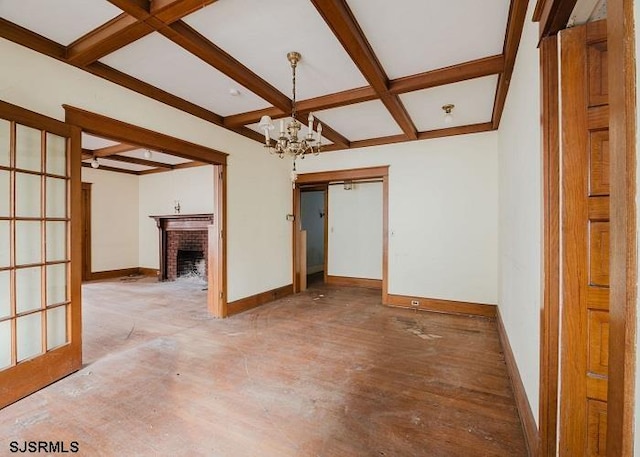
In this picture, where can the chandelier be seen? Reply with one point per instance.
(289, 143)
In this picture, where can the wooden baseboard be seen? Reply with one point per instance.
(529, 426)
(112, 274)
(442, 306)
(153, 272)
(254, 301)
(353, 282)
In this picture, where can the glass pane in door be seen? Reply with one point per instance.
(28, 148)
(5, 142)
(29, 336)
(56, 327)
(56, 155)
(56, 284)
(28, 195)
(5, 344)
(5, 193)
(28, 289)
(5, 294)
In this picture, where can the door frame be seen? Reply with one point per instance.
(86, 231)
(325, 178)
(97, 124)
(623, 257)
(321, 188)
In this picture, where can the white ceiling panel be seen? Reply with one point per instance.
(155, 156)
(158, 61)
(473, 100)
(259, 34)
(411, 37)
(62, 21)
(361, 121)
(275, 133)
(95, 142)
(104, 162)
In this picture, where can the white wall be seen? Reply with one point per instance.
(311, 206)
(259, 190)
(114, 219)
(443, 213)
(355, 231)
(192, 187)
(520, 166)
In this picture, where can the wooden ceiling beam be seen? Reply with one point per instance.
(106, 39)
(515, 25)
(327, 131)
(124, 80)
(107, 168)
(338, 99)
(115, 149)
(136, 8)
(138, 161)
(13, 32)
(192, 41)
(449, 75)
(169, 11)
(340, 20)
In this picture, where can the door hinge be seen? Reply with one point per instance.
(221, 294)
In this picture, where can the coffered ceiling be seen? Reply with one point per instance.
(372, 71)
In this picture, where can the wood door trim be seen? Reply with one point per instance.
(86, 230)
(325, 178)
(623, 261)
(550, 312)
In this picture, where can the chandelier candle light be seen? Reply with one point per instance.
(288, 143)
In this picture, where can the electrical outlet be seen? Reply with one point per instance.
(415, 303)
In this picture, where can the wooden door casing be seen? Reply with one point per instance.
(585, 241)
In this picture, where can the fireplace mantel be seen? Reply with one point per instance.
(177, 223)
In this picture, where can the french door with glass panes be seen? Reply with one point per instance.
(40, 334)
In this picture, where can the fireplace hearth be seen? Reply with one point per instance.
(183, 245)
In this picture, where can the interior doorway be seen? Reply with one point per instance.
(127, 135)
(342, 178)
(314, 217)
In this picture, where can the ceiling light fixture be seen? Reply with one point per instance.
(288, 142)
(448, 116)
(234, 92)
(95, 163)
(147, 154)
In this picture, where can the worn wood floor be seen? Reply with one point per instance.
(327, 373)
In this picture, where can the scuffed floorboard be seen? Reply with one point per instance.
(330, 372)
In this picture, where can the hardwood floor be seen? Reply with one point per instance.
(330, 372)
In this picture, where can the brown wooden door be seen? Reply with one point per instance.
(40, 328)
(585, 241)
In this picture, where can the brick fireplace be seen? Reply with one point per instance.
(183, 245)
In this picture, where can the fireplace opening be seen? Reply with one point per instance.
(190, 263)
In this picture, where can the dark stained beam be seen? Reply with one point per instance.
(174, 167)
(426, 135)
(459, 130)
(517, 13)
(138, 161)
(31, 40)
(340, 20)
(107, 168)
(122, 79)
(327, 131)
(189, 39)
(99, 125)
(449, 75)
(106, 39)
(115, 149)
(338, 99)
